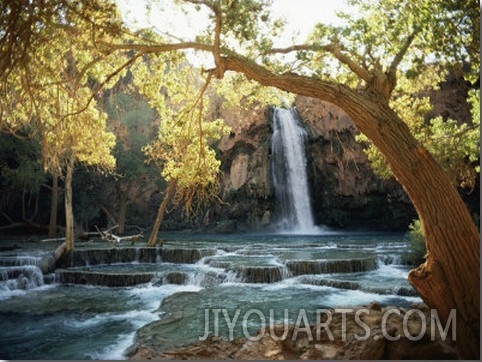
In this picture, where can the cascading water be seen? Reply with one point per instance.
(289, 172)
(197, 273)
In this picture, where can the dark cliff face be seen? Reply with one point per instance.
(247, 197)
(345, 193)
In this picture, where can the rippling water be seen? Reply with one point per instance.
(59, 321)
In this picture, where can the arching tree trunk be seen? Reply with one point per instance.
(54, 207)
(450, 277)
(69, 213)
(161, 212)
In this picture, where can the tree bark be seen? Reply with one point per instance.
(69, 213)
(161, 212)
(122, 198)
(450, 277)
(54, 207)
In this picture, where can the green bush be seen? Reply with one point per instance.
(417, 248)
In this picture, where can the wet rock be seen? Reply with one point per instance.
(302, 267)
(47, 263)
(175, 278)
(345, 340)
(259, 274)
(185, 256)
(104, 279)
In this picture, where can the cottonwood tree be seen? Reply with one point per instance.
(21, 179)
(358, 67)
(133, 122)
(49, 66)
(183, 147)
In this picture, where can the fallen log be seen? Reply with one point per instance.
(115, 239)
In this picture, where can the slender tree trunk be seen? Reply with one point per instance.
(161, 212)
(122, 198)
(122, 214)
(69, 213)
(54, 207)
(449, 279)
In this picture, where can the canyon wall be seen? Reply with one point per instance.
(345, 192)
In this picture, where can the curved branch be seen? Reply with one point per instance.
(217, 43)
(293, 48)
(392, 70)
(336, 50)
(149, 48)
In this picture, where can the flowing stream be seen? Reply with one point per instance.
(93, 307)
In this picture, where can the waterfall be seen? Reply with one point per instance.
(289, 172)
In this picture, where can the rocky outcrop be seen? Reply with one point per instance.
(303, 267)
(375, 337)
(247, 198)
(345, 191)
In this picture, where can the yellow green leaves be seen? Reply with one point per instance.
(455, 145)
(238, 92)
(183, 147)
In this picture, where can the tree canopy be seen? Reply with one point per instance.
(57, 55)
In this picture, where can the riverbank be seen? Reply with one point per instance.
(368, 332)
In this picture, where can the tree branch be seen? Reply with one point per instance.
(336, 50)
(159, 48)
(392, 70)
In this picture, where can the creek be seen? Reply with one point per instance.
(105, 299)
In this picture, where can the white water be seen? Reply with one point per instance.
(289, 173)
(93, 322)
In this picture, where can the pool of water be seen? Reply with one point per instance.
(71, 321)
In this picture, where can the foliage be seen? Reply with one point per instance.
(183, 146)
(455, 145)
(20, 164)
(51, 71)
(416, 241)
(237, 92)
(133, 121)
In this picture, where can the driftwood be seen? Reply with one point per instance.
(60, 251)
(115, 239)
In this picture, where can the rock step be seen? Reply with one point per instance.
(101, 256)
(104, 279)
(328, 266)
(184, 255)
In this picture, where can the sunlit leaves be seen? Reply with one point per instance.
(51, 91)
(455, 145)
(183, 149)
(237, 92)
(375, 32)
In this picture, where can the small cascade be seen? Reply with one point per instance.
(334, 283)
(20, 277)
(206, 278)
(184, 255)
(390, 260)
(20, 273)
(101, 256)
(289, 172)
(259, 274)
(329, 266)
(72, 276)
